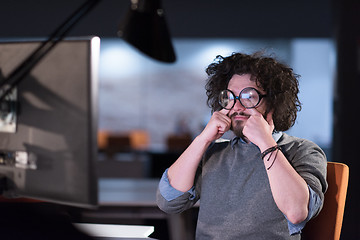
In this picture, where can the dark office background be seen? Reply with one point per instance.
(200, 19)
(336, 19)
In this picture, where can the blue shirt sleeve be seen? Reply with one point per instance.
(314, 204)
(170, 193)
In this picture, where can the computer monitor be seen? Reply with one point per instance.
(48, 124)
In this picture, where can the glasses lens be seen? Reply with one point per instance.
(249, 98)
(226, 99)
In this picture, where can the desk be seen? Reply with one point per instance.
(136, 198)
(115, 231)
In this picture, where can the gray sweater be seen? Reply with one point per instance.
(236, 200)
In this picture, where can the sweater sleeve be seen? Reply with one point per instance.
(314, 204)
(171, 200)
(310, 163)
(170, 193)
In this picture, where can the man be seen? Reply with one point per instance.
(262, 184)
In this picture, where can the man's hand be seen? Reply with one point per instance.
(181, 174)
(218, 125)
(258, 130)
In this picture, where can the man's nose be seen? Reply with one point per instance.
(238, 106)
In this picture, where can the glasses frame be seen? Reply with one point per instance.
(261, 96)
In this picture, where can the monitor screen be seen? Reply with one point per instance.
(48, 124)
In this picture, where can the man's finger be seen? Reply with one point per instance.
(224, 111)
(252, 112)
(269, 118)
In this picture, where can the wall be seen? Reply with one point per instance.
(139, 93)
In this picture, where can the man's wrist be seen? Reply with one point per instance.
(267, 144)
(202, 140)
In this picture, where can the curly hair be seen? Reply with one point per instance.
(278, 81)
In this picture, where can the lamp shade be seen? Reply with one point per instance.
(145, 28)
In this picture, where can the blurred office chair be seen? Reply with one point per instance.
(178, 143)
(139, 139)
(327, 225)
(102, 140)
(112, 142)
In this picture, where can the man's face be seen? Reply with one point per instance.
(238, 113)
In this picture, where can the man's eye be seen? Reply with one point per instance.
(246, 96)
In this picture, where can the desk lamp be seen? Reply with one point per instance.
(145, 28)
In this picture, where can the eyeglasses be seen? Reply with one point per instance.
(249, 98)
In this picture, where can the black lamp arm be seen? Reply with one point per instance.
(19, 74)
